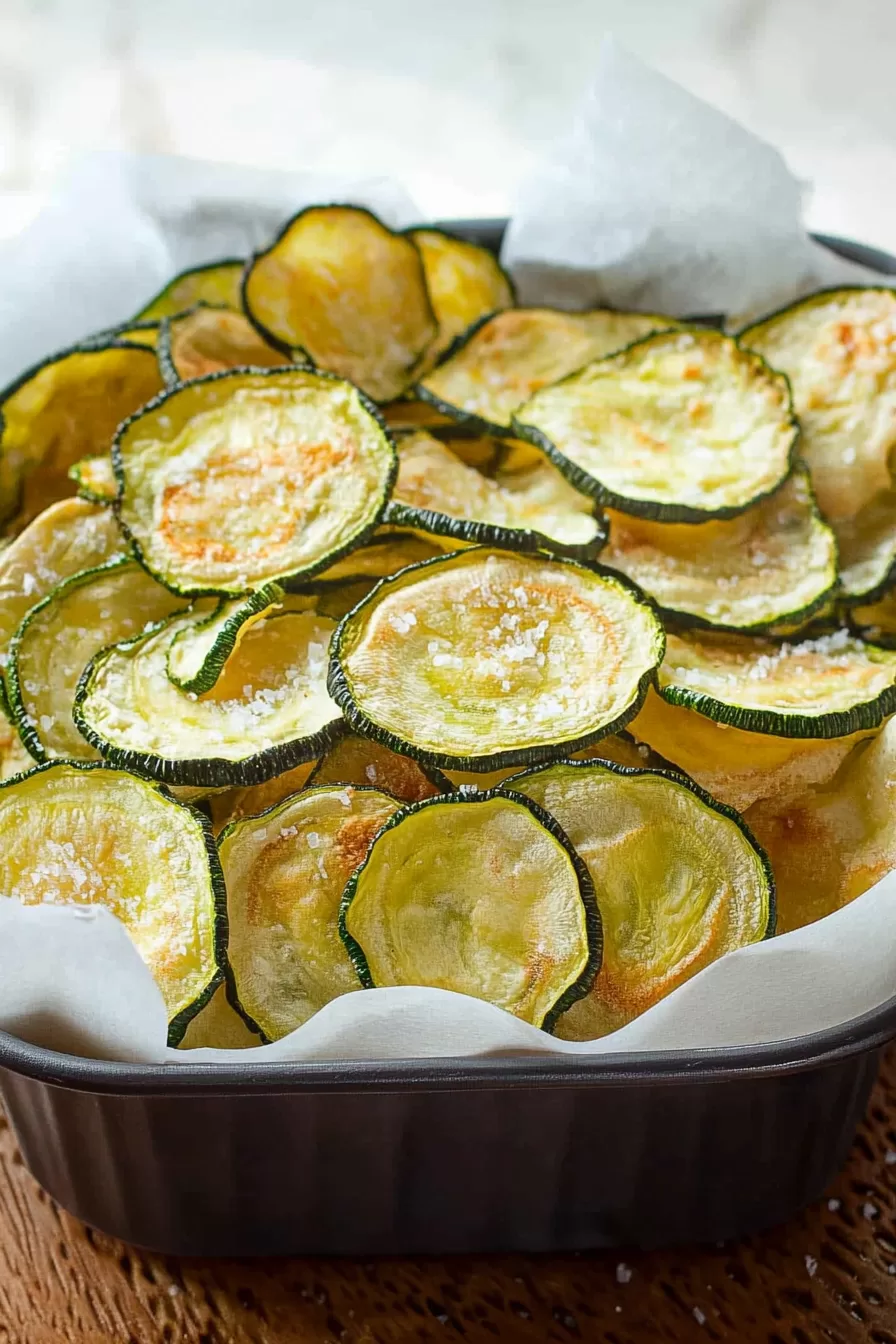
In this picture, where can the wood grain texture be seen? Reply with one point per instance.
(827, 1277)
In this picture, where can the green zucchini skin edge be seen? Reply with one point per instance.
(287, 581)
(430, 772)
(340, 689)
(295, 351)
(522, 539)
(18, 714)
(230, 987)
(179, 1023)
(742, 335)
(838, 723)
(104, 340)
(225, 643)
(641, 508)
(676, 777)
(456, 238)
(205, 771)
(552, 826)
(84, 491)
(188, 270)
(876, 591)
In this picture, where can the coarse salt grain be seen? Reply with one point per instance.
(811, 1265)
(623, 1273)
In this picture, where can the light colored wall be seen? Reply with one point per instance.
(453, 98)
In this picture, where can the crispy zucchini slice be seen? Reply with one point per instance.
(95, 480)
(218, 1026)
(337, 283)
(831, 843)
(57, 639)
(62, 410)
(824, 687)
(268, 711)
(198, 653)
(505, 359)
(679, 881)
(482, 894)
(682, 426)
(384, 554)
(362, 762)
(65, 539)
(485, 659)
(466, 283)
(436, 492)
(206, 340)
(231, 804)
(86, 834)
(876, 622)
(241, 478)
(838, 348)
(775, 562)
(867, 545)
(217, 282)
(734, 765)
(285, 873)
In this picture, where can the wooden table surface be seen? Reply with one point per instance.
(828, 1276)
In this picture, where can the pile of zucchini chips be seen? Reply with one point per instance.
(361, 628)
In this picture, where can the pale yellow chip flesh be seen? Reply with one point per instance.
(465, 283)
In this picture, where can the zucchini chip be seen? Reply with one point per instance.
(142, 333)
(876, 622)
(682, 426)
(838, 348)
(337, 283)
(466, 283)
(66, 538)
(86, 834)
(268, 710)
(618, 747)
(734, 765)
(485, 659)
(824, 687)
(867, 545)
(217, 282)
(776, 562)
(62, 410)
(218, 1026)
(678, 878)
(95, 480)
(244, 477)
(482, 894)
(408, 413)
(833, 842)
(206, 340)
(57, 639)
(198, 653)
(14, 758)
(358, 761)
(232, 804)
(384, 554)
(285, 873)
(436, 492)
(504, 360)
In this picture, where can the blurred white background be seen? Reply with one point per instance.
(453, 99)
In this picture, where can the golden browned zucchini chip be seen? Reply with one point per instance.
(66, 538)
(218, 282)
(682, 426)
(485, 659)
(218, 1026)
(245, 477)
(206, 340)
(408, 413)
(833, 842)
(73, 833)
(339, 285)
(775, 562)
(285, 873)
(62, 410)
(57, 639)
(736, 766)
(507, 358)
(678, 878)
(826, 686)
(232, 804)
(876, 622)
(466, 282)
(480, 894)
(360, 761)
(268, 710)
(95, 479)
(838, 348)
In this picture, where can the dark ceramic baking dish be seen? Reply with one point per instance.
(415, 1156)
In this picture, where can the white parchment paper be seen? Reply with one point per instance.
(652, 200)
